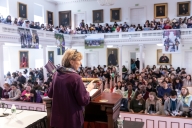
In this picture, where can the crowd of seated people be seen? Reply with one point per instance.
(148, 25)
(26, 86)
(150, 90)
(98, 28)
(143, 92)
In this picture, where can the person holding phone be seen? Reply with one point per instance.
(69, 93)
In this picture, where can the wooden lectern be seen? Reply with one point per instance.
(104, 107)
(108, 112)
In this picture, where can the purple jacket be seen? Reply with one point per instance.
(69, 95)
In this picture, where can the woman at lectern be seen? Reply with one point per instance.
(69, 93)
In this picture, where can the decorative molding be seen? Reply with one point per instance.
(68, 1)
(162, 122)
(175, 123)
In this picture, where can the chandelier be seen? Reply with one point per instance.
(106, 2)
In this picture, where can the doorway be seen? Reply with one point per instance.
(137, 16)
(78, 17)
(188, 62)
(92, 59)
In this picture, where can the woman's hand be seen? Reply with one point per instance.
(90, 86)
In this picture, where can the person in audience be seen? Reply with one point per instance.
(131, 29)
(21, 79)
(32, 25)
(129, 93)
(177, 84)
(20, 22)
(8, 20)
(137, 104)
(15, 22)
(118, 86)
(133, 66)
(150, 88)
(25, 96)
(185, 97)
(163, 89)
(35, 97)
(187, 81)
(153, 104)
(71, 92)
(26, 24)
(173, 106)
(37, 25)
(6, 91)
(9, 79)
(139, 28)
(15, 93)
(167, 26)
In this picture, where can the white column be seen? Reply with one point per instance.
(2, 80)
(120, 62)
(44, 61)
(141, 57)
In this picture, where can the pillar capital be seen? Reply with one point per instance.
(140, 45)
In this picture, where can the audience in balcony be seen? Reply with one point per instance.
(93, 29)
(8, 20)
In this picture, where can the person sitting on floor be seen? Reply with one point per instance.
(14, 93)
(137, 104)
(173, 106)
(153, 104)
(6, 91)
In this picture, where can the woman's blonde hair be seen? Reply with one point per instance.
(70, 54)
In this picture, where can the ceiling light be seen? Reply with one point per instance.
(109, 46)
(106, 2)
(159, 44)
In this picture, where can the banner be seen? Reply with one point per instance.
(28, 38)
(60, 42)
(94, 41)
(171, 41)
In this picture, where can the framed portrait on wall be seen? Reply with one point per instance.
(163, 59)
(115, 14)
(23, 59)
(98, 16)
(22, 10)
(50, 17)
(112, 56)
(51, 56)
(183, 8)
(65, 18)
(160, 10)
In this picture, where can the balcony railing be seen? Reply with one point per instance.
(47, 36)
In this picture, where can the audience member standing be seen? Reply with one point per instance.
(137, 63)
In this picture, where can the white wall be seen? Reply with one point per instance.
(150, 55)
(11, 57)
(12, 6)
(125, 5)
